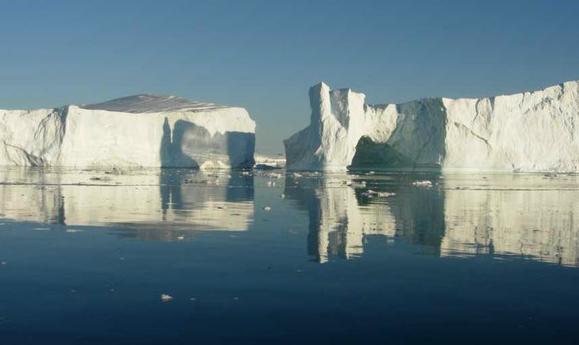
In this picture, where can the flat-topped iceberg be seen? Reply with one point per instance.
(135, 131)
(531, 131)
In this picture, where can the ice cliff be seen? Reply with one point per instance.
(530, 131)
(135, 131)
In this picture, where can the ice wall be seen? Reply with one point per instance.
(531, 131)
(136, 131)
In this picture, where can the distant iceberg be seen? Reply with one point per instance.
(135, 131)
(531, 131)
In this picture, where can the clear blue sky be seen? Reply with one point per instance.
(264, 55)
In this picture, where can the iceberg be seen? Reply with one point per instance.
(530, 131)
(135, 131)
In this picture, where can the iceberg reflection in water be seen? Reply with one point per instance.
(150, 204)
(524, 215)
(530, 216)
(389, 247)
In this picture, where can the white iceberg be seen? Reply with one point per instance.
(531, 131)
(135, 131)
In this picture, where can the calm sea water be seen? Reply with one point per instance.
(273, 258)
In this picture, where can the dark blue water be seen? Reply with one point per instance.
(86, 255)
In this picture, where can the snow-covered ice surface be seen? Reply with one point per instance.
(530, 131)
(147, 103)
(135, 131)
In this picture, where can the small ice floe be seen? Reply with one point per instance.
(422, 184)
(166, 298)
(282, 195)
(270, 183)
(180, 238)
(369, 193)
(41, 229)
(297, 175)
(3, 263)
(192, 299)
(356, 184)
(274, 175)
(372, 193)
(267, 208)
(73, 230)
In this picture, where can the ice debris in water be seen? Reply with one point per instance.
(356, 184)
(267, 208)
(166, 298)
(371, 193)
(422, 184)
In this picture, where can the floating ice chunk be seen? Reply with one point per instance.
(356, 184)
(166, 298)
(422, 184)
(372, 193)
